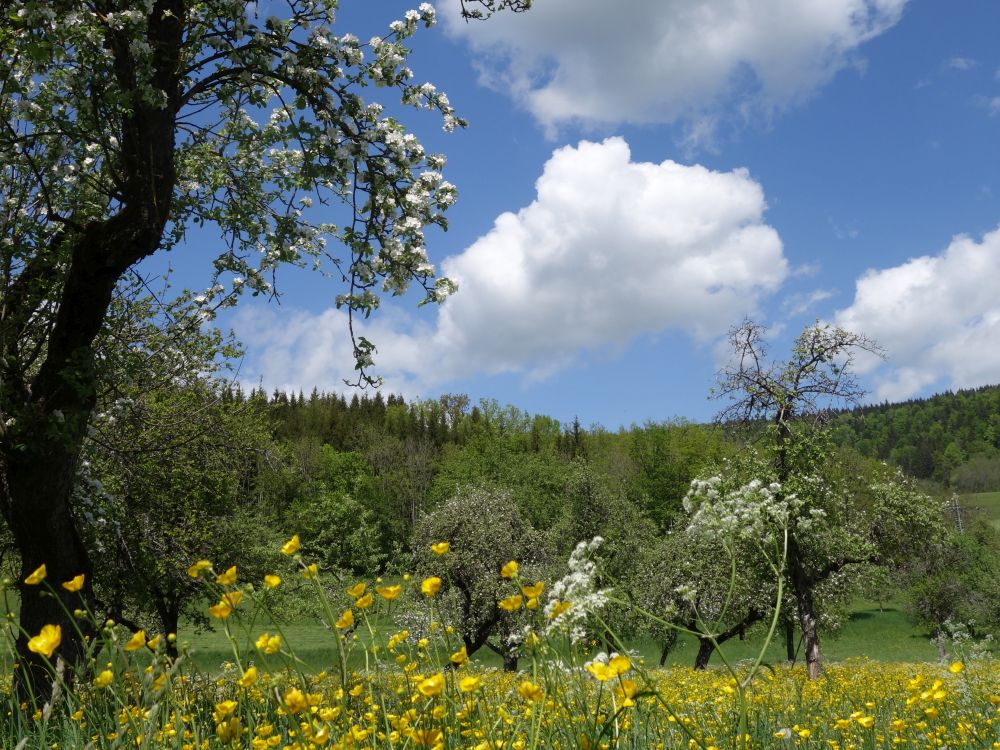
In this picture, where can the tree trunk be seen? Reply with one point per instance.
(170, 613)
(803, 589)
(705, 650)
(39, 484)
(40, 462)
(940, 641)
(39, 452)
(706, 647)
(790, 641)
(509, 662)
(669, 641)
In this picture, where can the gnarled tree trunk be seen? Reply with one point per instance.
(52, 406)
(802, 586)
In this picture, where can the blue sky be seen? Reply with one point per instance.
(635, 181)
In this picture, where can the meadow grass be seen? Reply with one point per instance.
(984, 505)
(359, 683)
(885, 634)
(869, 634)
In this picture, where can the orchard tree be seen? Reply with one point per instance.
(786, 401)
(953, 584)
(716, 586)
(176, 468)
(126, 124)
(478, 9)
(485, 530)
(741, 514)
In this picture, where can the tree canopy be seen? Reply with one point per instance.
(127, 125)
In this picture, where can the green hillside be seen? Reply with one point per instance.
(952, 438)
(983, 505)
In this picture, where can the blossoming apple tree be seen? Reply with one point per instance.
(831, 522)
(125, 125)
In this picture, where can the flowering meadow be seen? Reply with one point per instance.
(418, 688)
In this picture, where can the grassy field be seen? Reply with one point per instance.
(984, 505)
(884, 635)
(408, 692)
(409, 696)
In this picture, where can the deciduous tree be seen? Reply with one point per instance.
(485, 530)
(126, 124)
(789, 399)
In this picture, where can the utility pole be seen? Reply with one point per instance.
(958, 510)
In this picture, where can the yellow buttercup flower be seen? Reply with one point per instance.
(153, 642)
(511, 603)
(430, 586)
(137, 641)
(365, 601)
(427, 738)
(74, 584)
(432, 686)
(357, 589)
(600, 671)
(619, 664)
(558, 608)
(469, 684)
(291, 546)
(272, 581)
(268, 643)
(232, 598)
(228, 578)
(196, 570)
(440, 548)
(249, 678)
(956, 667)
(37, 576)
(530, 691)
(346, 620)
(460, 657)
(224, 709)
(47, 640)
(389, 592)
(534, 591)
(509, 570)
(229, 731)
(626, 691)
(221, 610)
(295, 701)
(104, 679)
(310, 572)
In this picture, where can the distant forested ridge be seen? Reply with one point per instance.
(952, 438)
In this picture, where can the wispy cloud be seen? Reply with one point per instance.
(843, 233)
(961, 63)
(798, 304)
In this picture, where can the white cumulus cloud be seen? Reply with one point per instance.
(610, 249)
(639, 61)
(937, 316)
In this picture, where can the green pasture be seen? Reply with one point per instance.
(984, 505)
(881, 635)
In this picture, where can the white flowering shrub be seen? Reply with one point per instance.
(576, 597)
